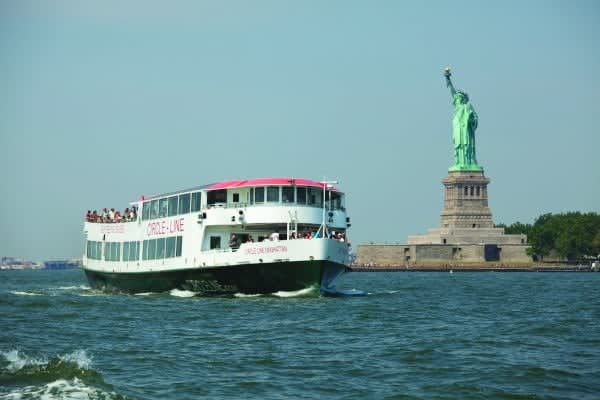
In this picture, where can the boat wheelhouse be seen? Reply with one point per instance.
(248, 236)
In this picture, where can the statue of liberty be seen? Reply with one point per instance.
(464, 124)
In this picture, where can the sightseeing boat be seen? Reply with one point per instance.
(240, 236)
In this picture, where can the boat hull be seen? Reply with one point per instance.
(247, 278)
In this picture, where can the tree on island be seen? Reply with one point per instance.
(571, 236)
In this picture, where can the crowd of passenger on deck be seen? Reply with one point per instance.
(112, 216)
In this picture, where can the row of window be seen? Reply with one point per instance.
(153, 249)
(295, 194)
(162, 248)
(171, 206)
(472, 191)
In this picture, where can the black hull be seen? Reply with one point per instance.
(250, 278)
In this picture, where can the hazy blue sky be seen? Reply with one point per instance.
(103, 101)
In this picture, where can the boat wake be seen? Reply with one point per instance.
(309, 291)
(182, 293)
(26, 293)
(244, 295)
(335, 292)
(68, 376)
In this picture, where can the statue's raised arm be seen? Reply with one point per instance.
(448, 74)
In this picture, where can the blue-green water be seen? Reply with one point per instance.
(416, 335)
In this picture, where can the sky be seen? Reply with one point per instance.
(104, 101)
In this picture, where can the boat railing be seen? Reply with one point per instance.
(271, 204)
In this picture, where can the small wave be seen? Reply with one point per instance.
(182, 293)
(243, 295)
(145, 294)
(62, 389)
(295, 293)
(17, 367)
(26, 293)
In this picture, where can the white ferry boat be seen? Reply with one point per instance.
(240, 236)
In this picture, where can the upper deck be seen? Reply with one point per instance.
(271, 192)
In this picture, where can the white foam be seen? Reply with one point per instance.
(145, 294)
(242, 295)
(295, 293)
(26, 294)
(182, 293)
(61, 389)
(80, 287)
(80, 357)
(16, 360)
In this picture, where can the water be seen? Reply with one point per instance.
(414, 336)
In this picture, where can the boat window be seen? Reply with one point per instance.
(160, 248)
(126, 251)
(272, 194)
(178, 251)
(154, 209)
(146, 210)
(301, 195)
(163, 204)
(251, 196)
(152, 249)
(184, 203)
(173, 205)
(215, 242)
(145, 250)
(171, 242)
(94, 250)
(315, 197)
(287, 194)
(216, 196)
(134, 251)
(116, 251)
(336, 201)
(259, 195)
(236, 197)
(196, 201)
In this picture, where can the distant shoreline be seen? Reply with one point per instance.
(474, 268)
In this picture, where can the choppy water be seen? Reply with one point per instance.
(416, 335)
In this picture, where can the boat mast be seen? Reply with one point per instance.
(326, 184)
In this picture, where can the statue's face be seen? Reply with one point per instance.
(459, 98)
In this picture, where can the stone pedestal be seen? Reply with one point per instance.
(466, 201)
(466, 232)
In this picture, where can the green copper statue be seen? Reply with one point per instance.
(464, 123)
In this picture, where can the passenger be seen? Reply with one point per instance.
(104, 215)
(95, 217)
(118, 217)
(250, 239)
(233, 242)
(274, 237)
(126, 215)
(88, 216)
(293, 236)
(132, 216)
(111, 215)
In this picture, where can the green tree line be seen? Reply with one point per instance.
(571, 236)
